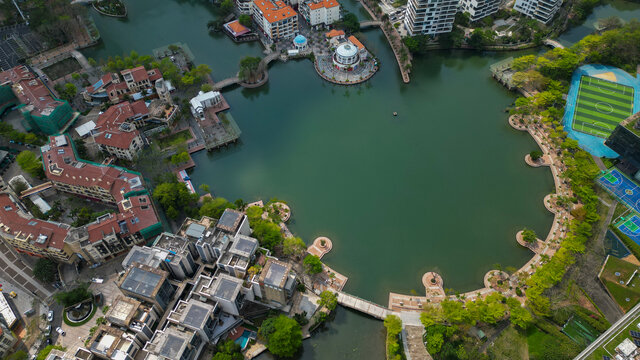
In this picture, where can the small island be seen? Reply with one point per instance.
(114, 8)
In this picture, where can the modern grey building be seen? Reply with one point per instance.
(625, 140)
(129, 313)
(196, 316)
(430, 17)
(477, 9)
(237, 258)
(226, 290)
(174, 343)
(181, 257)
(277, 283)
(541, 10)
(145, 283)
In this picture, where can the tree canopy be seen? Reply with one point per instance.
(30, 164)
(175, 197)
(42, 355)
(215, 207)
(268, 233)
(393, 324)
(282, 335)
(71, 297)
(312, 264)
(294, 246)
(228, 350)
(45, 270)
(249, 67)
(328, 299)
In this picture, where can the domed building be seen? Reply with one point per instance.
(300, 42)
(346, 56)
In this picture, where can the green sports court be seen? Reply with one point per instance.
(601, 105)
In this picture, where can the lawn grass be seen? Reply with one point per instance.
(510, 345)
(613, 265)
(537, 341)
(174, 139)
(621, 293)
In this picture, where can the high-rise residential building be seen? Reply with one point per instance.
(277, 20)
(541, 10)
(430, 17)
(320, 12)
(477, 9)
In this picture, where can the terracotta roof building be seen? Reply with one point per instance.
(116, 129)
(111, 234)
(32, 236)
(276, 19)
(41, 109)
(112, 87)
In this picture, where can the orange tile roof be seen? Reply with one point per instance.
(334, 33)
(236, 27)
(356, 42)
(323, 4)
(275, 12)
(29, 89)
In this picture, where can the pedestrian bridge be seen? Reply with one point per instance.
(370, 23)
(364, 306)
(554, 44)
(36, 189)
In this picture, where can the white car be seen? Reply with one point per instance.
(48, 330)
(60, 331)
(97, 280)
(50, 316)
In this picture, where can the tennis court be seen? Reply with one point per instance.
(623, 188)
(631, 227)
(601, 105)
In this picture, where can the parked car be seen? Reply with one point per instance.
(60, 331)
(48, 341)
(13, 294)
(50, 316)
(29, 312)
(47, 331)
(97, 280)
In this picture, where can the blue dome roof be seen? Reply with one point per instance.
(300, 39)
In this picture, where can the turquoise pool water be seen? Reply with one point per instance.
(243, 340)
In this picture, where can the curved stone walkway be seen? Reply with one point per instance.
(545, 248)
(317, 249)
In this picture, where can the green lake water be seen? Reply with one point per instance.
(441, 187)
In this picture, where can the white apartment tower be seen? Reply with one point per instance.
(430, 17)
(478, 9)
(541, 10)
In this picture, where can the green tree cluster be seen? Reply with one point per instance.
(42, 355)
(393, 324)
(268, 233)
(7, 131)
(228, 350)
(71, 297)
(312, 264)
(293, 246)
(282, 335)
(529, 235)
(215, 207)
(67, 91)
(84, 215)
(174, 197)
(45, 270)
(348, 23)
(245, 20)
(18, 355)
(328, 299)
(30, 164)
(249, 67)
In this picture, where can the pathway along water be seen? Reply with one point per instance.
(440, 187)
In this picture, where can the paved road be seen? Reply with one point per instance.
(18, 272)
(611, 332)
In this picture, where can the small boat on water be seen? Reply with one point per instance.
(395, 113)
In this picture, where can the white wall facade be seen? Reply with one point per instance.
(430, 17)
(541, 10)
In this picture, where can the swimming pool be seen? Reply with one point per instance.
(243, 340)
